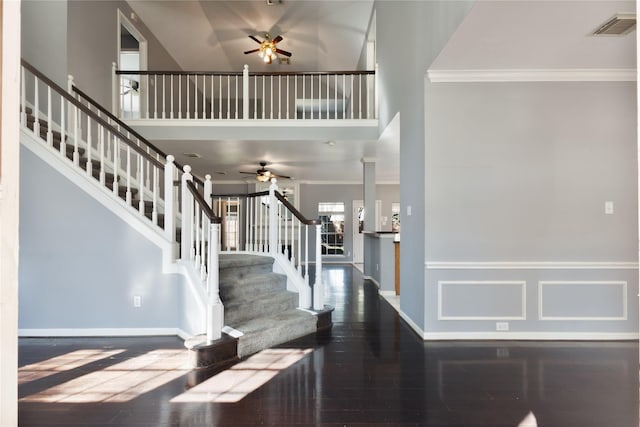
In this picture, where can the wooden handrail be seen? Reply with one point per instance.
(129, 129)
(246, 195)
(296, 212)
(235, 73)
(203, 204)
(280, 197)
(63, 93)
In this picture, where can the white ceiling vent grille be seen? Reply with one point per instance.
(618, 25)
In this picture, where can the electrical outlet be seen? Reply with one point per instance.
(137, 300)
(502, 326)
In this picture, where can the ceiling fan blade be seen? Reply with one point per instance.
(255, 39)
(248, 173)
(246, 52)
(275, 175)
(283, 52)
(277, 40)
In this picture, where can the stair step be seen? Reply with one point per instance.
(261, 306)
(251, 285)
(268, 331)
(236, 266)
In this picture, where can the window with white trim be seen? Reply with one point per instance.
(332, 231)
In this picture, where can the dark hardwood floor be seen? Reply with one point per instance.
(372, 371)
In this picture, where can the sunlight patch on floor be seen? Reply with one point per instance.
(62, 363)
(237, 382)
(120, 382)
(529, 421)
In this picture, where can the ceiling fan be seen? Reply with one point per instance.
(264, 175)
(129, 85)
(268, 50)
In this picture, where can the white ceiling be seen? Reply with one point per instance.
(330, 35)
(538, 34)
(322, 36)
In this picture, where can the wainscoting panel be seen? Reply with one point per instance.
(482, 300)
(588, 300)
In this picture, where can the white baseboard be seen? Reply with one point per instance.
(103, 332)
(373, 280)
(531, 336)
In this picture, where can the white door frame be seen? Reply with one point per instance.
(123, 21)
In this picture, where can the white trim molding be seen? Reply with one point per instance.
(624, 302)
(103, 332)
(530, 265)
(533, 75)
(530, 336)
(523, 298)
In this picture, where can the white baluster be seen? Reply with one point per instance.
(195, 97)
(236, 97)
(287, 98)
(116, 165)
(208, 190)
(169, 200)
(271, 97)
(89, 165)
(212, 98)
(36, 108)
(164, 96)
(76, 135)
(335, 96)
(141, 207)
(187, 215)
(188, 96)
(352, 100)
(179, 96)
(375, 89)
(49, 118)
(311, 96)
(115, 90)
(101, 176)
(154, 212)
(318, 288)
(359, 96)
(128, 172)
(245, 92)
(306, 253)
(63, 128)
(273, 218)
(171, 94)
(299, 247)
(279, 96)
(228, 97)
(215, 309)
(219, 97)
(255, 97)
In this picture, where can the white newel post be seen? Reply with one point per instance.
(115, 90)
(376, 91)
(169, 200)
(318, 288)
(273, 218)
(187, 216)
(245, 92)
(215, 309)
(70, 84)
(208, 190)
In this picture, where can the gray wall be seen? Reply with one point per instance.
(92, 39)
(80, 265)
(44, 37)
(520, 172)
(423, 27)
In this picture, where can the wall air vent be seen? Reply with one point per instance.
(619, 25)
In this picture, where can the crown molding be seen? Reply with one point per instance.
(533, 75)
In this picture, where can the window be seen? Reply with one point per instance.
(332, 231)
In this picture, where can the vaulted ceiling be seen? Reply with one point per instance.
(331, 35)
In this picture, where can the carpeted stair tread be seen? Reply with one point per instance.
(229, 261)
(265, 332)
(251, 285)
(261, 306)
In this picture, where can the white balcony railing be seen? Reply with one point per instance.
(343, 95)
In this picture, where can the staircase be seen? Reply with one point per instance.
(257, 303)
(253, 302)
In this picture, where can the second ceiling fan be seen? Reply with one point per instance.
(268, 50)
(264, 175)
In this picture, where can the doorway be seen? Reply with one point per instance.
(132, 56)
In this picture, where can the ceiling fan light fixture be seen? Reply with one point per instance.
(262, 178)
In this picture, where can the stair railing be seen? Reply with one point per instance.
(102, 151)
(211, 95)
(200, 246)
(267, 223)
(102, 148)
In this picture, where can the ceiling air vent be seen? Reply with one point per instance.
(619, 25)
